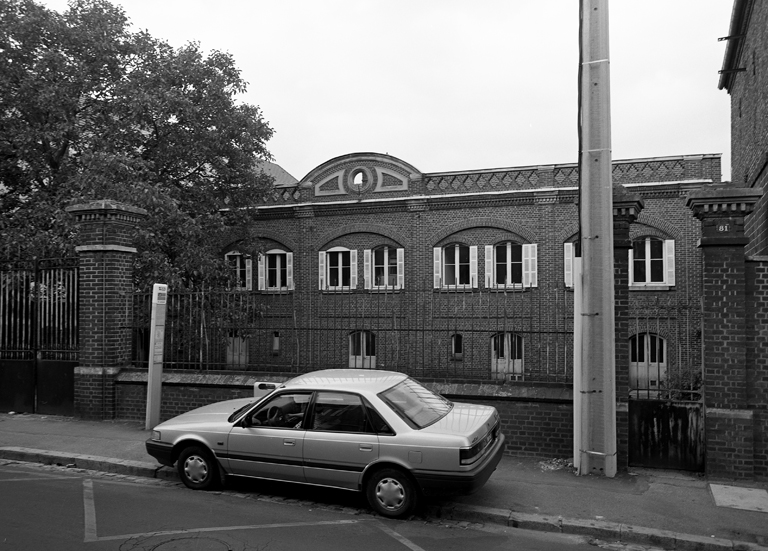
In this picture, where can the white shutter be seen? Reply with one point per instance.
(631, 259)
(489, 266)
(529, 265)
(248, 275)
(473, 266)
(568, 264)
(260, 270)
(289, 270)
(437, 267)
(353, 269)
(401, 268)
(321, 270)
(367, 269)
(669, 261)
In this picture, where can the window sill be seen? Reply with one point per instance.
(384, 290)
(659, 287)
(345, 291)
(276, 291)
(460, 289)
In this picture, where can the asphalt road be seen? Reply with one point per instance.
(65, 509)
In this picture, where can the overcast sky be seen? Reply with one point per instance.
(460, 84)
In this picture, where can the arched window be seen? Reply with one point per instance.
(276, 270)
(652, 262)
(384, 268)
(647, 365)
(457, 347)
(455, 265)
(506, 355)
(241, 267)
(510, 265)
(338, 269)
(362, 350)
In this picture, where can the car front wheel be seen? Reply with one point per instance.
(391, 493)
(197, 468)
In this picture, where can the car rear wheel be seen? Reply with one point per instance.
(197, 468)
(391, 493)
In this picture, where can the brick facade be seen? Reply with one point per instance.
(745, 78)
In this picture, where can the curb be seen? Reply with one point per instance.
(609, 531)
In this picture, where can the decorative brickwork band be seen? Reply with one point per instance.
(106, 287)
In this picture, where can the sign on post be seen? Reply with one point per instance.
(156, 342)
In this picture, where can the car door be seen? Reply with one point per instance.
(338, 444)
(269, 441)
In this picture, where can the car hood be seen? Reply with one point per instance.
(470, 420)
(217, 412)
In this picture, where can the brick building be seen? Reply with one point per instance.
(462, 275)
(740, 435)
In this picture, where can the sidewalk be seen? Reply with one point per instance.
(665, 509)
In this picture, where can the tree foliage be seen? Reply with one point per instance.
(90, 109)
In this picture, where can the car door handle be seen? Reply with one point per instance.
(287, 442)
(366, 448)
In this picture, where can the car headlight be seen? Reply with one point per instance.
(156, 435)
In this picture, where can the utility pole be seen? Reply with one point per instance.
(594, 385)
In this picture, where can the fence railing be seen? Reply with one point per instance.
(39, 309)
(518, 334)
(512, 334)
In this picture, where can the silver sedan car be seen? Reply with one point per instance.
(377, 432)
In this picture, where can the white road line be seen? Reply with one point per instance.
(35, 479)
(89, 508)
(402, 539)
(216, 529)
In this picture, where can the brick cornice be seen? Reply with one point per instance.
(723, 202)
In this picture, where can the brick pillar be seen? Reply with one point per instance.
(106, 287)
(626, 208)
(729, 420)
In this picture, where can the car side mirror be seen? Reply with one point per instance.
(246, 422)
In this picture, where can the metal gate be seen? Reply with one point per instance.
(38, 335)
(666, 422)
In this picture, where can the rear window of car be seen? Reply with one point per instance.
(418, 406)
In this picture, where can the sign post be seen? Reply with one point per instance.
(156, 342)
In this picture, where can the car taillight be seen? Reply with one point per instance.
(467, 456)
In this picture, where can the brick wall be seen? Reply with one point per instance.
(757, 358)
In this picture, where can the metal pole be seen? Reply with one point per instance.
(597, 447)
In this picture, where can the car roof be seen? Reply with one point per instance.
(358, 380)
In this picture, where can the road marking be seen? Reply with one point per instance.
(89, 508)
(402, 539)
(35, 479)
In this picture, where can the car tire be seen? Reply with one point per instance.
(391, 493)
(197, 468)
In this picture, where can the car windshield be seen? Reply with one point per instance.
(417, 405)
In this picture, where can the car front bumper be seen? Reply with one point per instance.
(465, 482)
(161, 451)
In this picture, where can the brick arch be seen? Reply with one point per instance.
(668, 230)
(567, 232)
(488, 222)
(386, 231)
(274, 236)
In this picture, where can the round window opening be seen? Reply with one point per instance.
(359, 179)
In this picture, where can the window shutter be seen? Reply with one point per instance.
(321, 270)
(489, 266)
(529, 265)
(260, 270)
(473, 266)
(568, 264)
(289, 270)
(367, 269)
(401, 268)
(437, 269)
(669, 261)
(353, 269)
(631, 259)
(248, 275)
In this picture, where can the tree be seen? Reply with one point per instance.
(91, 110)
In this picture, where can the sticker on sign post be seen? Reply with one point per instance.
(156, 345)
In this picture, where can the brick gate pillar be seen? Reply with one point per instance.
(626, 208)
(106, 287)
(728, 418)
